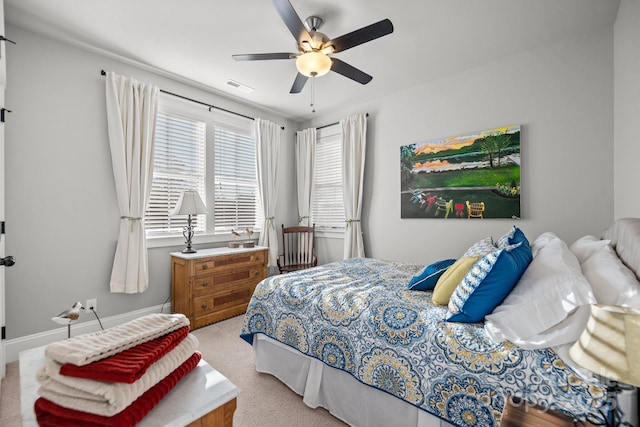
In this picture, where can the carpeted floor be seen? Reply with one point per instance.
(263, 400)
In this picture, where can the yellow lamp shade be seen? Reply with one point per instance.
(610, 344)
(313, 62)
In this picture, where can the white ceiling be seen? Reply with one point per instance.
(196, 38)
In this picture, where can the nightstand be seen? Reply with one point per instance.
(520, 413)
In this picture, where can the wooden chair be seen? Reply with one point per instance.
(475, 210)
(298, 250)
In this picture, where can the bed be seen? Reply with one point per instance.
(351, 336)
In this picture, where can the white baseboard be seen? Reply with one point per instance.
(14, 346)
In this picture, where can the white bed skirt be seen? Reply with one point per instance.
(352, 401)
(340, 393)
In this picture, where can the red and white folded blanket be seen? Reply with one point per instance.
(129, 365)
(88, 348)
(104, 398)
(49, 414)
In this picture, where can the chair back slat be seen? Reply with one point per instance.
(297, 248)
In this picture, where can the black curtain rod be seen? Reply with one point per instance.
(333, 124)
(104, 73)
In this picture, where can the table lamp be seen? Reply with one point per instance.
(610, 347)
(189, 204)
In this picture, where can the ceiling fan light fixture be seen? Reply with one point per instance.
(313, 64)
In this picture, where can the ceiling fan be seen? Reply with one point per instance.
(314, 47)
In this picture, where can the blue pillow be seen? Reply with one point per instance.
(515, 235)
(481, 247)
(426, 280)
(489, 281)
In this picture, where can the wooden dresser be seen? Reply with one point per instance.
(214, 284)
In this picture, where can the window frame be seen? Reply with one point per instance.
(185, 108)
(325, 133)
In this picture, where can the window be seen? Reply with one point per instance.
(209, 152)
(178, 166)
(236, 203)
(327, 209)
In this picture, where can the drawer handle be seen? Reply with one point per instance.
(203, 306)
(205, 266)
(205, 284)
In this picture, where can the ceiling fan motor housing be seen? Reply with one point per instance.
(316, 43)
(313, 23)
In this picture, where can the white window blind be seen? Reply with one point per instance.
(236, 202)
(327, 209)
(178, 165)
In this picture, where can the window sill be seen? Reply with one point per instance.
(168, 241)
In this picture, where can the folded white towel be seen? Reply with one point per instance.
(104, 398)
(88, 348)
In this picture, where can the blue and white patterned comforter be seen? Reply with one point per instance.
(357, 316)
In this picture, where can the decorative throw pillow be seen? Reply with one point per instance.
(503, 241)
(512, 237)
(450, 279)
(489, 281)
(428, 277)
(482, 247)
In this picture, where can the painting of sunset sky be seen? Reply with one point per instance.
(474, 175)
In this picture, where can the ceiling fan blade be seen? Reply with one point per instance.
(363, 35)
(298, 83)
(263, 56)
(292, 20)
(349, 71)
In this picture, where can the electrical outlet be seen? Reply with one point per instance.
(91, 303)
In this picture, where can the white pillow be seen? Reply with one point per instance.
(551, 288)
(624, 235)
(612, 282)
(586, 246)
(566, 332)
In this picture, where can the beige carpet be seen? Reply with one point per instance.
(263, 400)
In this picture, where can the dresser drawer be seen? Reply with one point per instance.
(206, 265)
(226, 281)
(209, 303)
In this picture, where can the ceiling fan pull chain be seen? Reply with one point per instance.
(313, 91)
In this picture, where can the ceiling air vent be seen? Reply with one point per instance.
(240, 86)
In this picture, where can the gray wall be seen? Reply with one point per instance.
(61, 209)
(561, 94)
(627, 109)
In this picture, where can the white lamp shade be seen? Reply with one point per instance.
(313, 62)
(189, 203)
(610, 344)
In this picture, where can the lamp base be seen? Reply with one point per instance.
(187, 232)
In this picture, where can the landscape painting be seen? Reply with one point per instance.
(475, 175)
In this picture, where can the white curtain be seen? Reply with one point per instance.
(354, 144)
(131, 116)
(305, 158)
(267, 152)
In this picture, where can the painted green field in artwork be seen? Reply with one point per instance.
(440, 176)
